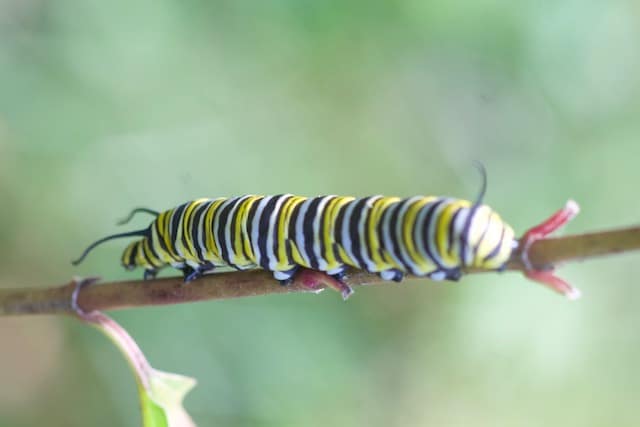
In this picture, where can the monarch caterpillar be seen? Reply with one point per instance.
(423, 235)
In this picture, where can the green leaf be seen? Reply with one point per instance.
(161, 393)
(152, 414)
(162, 402)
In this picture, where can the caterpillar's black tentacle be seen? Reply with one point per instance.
(426, 236)
(142, 232)
(464, 236)
(134, 212)
(483, 188)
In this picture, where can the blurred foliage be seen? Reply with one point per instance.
(109, 105)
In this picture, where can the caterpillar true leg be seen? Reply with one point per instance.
(437, 275)
(150, 274)
(285, 277)
(338, 275)
(190, 273)
(392, 274)
(454, 274)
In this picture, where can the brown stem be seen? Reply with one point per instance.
(557, 250)
(544, 253)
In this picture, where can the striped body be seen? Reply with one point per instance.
(424, 236)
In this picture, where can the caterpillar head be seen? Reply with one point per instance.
(132, 256)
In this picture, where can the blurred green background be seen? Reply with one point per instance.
(109, 105)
